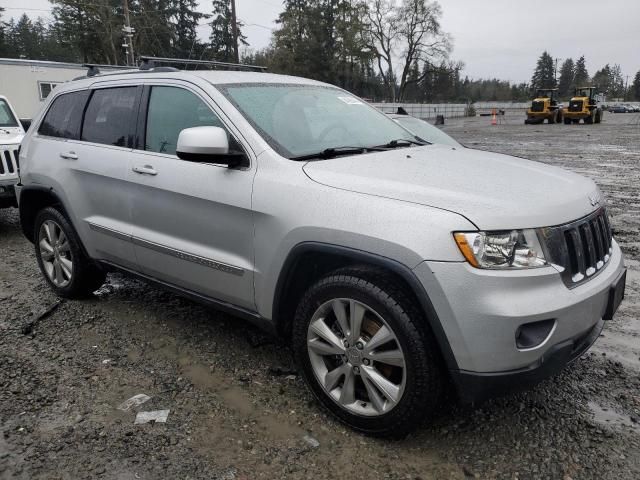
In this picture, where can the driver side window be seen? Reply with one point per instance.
(171, 110)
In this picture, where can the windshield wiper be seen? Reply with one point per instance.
(336, 151)
(402, 142)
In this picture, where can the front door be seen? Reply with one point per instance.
(192, 222)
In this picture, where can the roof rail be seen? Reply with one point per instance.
(148, 63)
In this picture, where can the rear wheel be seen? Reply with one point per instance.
(599, 116)
(366, 353)
(590, 118)
(62, 261)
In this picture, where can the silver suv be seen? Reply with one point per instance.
(393, 266)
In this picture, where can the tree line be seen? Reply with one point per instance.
(378, 49)
(574, 74)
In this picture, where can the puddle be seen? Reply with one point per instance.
(610, 418)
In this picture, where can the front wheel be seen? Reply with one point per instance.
(62, 261)
(366, 352)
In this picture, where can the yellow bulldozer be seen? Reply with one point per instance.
(584, 106)
(544, 107)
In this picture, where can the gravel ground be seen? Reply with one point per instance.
(239, 410)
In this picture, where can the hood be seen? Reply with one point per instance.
(11, 135)
(491, 190)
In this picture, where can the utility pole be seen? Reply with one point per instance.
(128, 35)
(234, 30)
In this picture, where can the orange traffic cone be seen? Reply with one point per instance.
(494, 119)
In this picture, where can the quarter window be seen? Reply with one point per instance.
(110, 117)
(65, 116)
(172, 109)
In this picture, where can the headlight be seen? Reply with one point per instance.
(501, 250)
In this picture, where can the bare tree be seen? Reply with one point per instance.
(403, 35)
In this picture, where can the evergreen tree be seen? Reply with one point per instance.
(635, 87)
(187, 18)
(221, 37)
(566, 82)
(581, 76)
(3, 27)
(544, 74)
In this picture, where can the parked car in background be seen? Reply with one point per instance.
(424, 130)
(393, 267)
(621, 109)
(11, 134)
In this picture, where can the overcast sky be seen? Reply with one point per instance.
(494, 38)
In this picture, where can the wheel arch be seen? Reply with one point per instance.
(32, 199)
(308, 261)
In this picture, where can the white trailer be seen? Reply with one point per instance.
(26, 83)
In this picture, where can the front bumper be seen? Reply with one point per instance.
(477, 387)
(481, 312)
(576, 115)
(8, 193)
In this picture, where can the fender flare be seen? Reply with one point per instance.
(361, 256)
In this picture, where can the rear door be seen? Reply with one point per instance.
(84, 144)
(101, 169)
(193, 223)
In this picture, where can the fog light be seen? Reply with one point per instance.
(531, 335)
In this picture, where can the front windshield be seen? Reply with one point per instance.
(426, 131)
(6, 115)
(298, 120)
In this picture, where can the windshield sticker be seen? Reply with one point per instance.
(350, 100)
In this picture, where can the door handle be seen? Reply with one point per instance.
(145, 170)
(69, 156)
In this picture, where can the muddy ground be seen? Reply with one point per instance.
(239, 410)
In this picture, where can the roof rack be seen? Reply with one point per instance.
(148, 63)
(93, 69)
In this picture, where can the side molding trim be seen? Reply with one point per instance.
(207, 262)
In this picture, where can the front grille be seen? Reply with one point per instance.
(582, 248)
(575, 106)
(9, 162)
(537, 106)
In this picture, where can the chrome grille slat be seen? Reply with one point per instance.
(581, 248)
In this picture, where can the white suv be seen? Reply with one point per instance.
(11, 134)
(389, 263)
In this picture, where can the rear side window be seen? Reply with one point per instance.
(110, 117)
(172, 109)
(65, 116)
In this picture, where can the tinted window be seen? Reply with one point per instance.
(110, 117)
(65, 115)
(171, 110)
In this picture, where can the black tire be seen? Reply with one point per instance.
(567, 121)
(575, 121)
(553, 118)
(425, 381)
(86, 276)
(589, 119)
(599, 116)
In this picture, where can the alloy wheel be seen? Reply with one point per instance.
(55, 253)
(356, 357)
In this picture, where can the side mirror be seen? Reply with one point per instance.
(207, 145)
